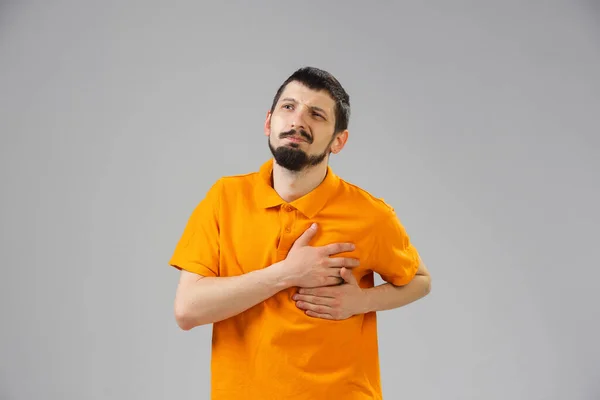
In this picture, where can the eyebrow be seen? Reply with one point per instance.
(312, 107)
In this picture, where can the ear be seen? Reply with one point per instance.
(339, 142)
(268, 124)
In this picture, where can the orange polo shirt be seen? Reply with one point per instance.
(273, 350)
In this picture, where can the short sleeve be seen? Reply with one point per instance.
(198, 248)
(393, 256)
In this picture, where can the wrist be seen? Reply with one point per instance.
(281, 277)
(367, 300)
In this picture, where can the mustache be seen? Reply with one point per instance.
(293, 132)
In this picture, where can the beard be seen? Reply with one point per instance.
(292, 158)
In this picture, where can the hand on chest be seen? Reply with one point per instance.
(260, 242)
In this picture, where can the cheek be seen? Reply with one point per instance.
(324, 139)
(276, 127)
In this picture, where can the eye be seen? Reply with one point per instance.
(317, 115)
(287, 106)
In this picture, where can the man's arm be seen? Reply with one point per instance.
(394, 258)
(203, 300)
(344, 301)
(388, 296)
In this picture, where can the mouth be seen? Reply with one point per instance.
(295, 139)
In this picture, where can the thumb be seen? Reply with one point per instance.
(348, 277)
(306, 236)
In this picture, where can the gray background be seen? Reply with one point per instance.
(477, 121)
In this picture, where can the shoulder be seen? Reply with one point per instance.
(221, 192)
(365, 200)
(239, 185)
(230, 187)
(386, 228)
(228, 183)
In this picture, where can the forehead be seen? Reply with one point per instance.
(308, 97)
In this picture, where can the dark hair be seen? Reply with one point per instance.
(318, 79)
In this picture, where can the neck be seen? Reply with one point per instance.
(291, 185)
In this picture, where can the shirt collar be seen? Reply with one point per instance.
(309, 204)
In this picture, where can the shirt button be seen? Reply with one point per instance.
(288, 208)
(288, 229)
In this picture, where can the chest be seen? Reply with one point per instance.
(260, 239)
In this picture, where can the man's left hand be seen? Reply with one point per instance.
(333, 302)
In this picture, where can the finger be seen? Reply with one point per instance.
(334, 281)
(330, 281)
(318, 315)
(347, 276)
(320, 291)
(324, 283)
(343, 262)
(311, 291)
(334, 271)
(335, 248)
(321, 309)
(315, 300)
(306, 236)
(337, 277)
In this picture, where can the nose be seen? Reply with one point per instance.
(298, 119)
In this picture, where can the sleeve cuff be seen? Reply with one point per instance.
(193, 267)
(405, 278)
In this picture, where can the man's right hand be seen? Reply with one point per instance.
(308, 266)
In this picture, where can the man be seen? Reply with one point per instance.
(281, 261)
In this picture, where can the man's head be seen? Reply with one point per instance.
(308, 119)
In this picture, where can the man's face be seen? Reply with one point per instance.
(301, 128)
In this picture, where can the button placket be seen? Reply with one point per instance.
(286, 240)
(287, 220)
